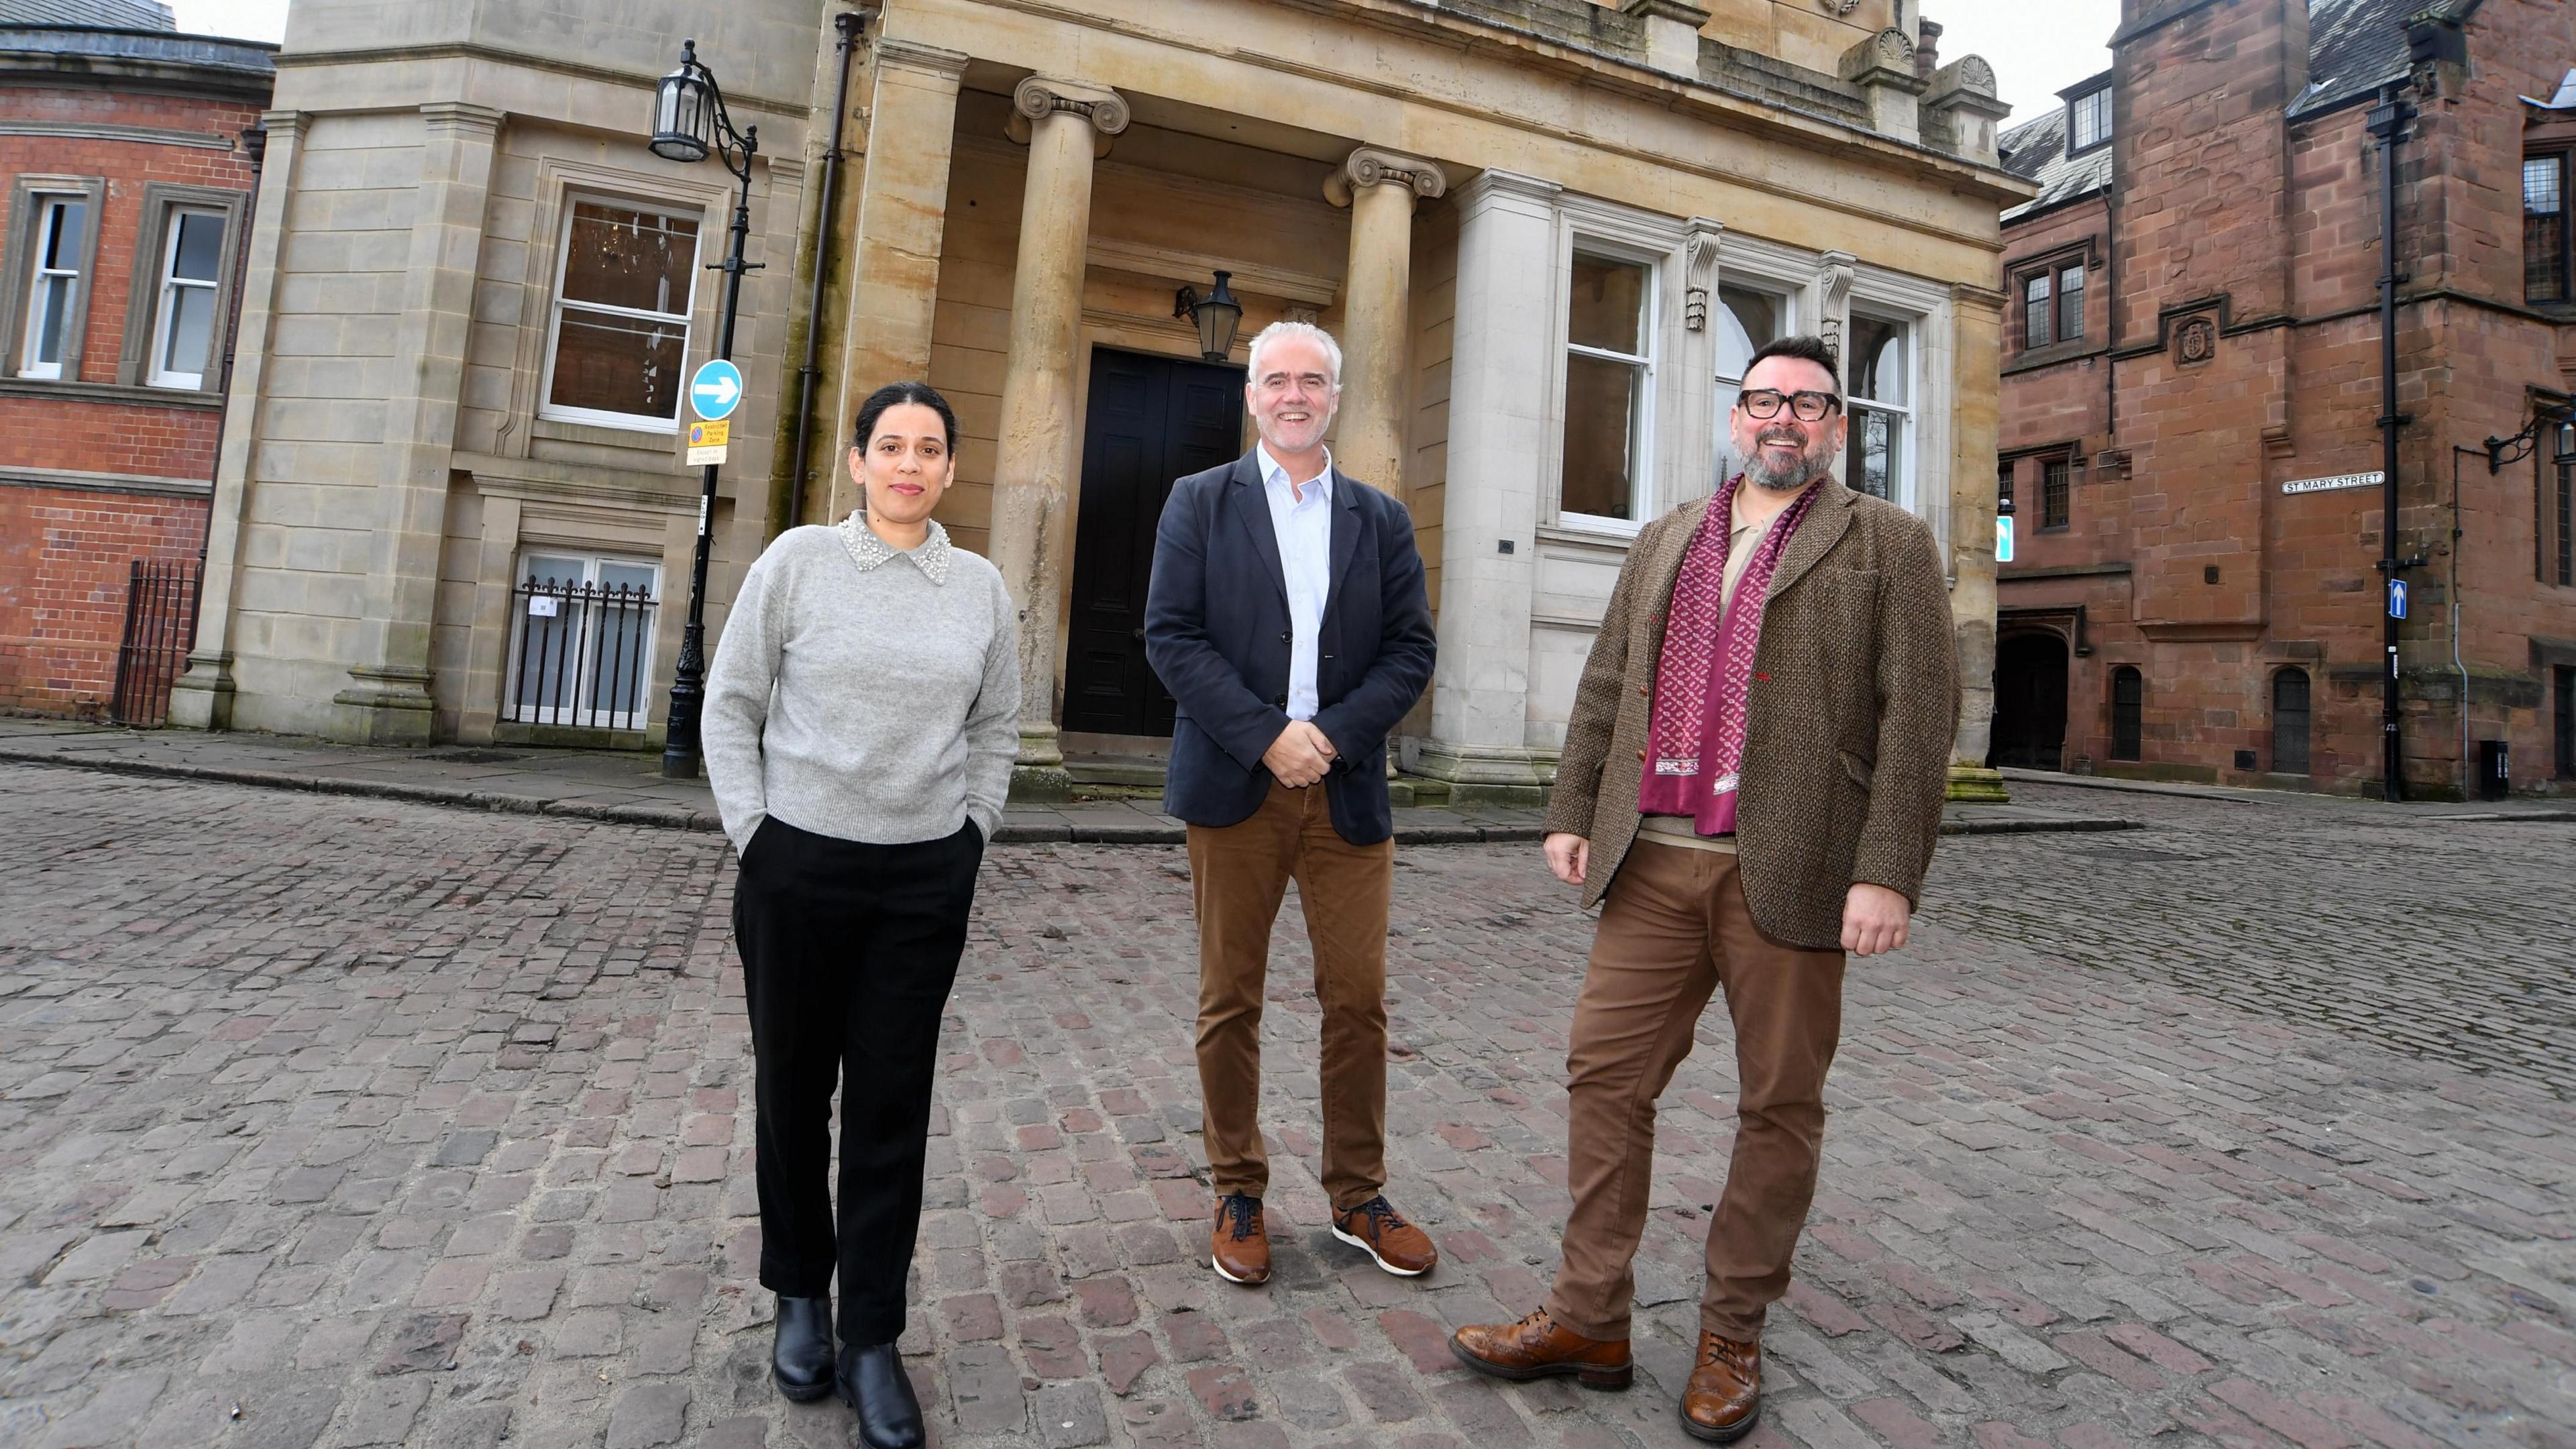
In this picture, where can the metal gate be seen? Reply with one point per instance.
(160, 626)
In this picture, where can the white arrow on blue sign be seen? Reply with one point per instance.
(2397, 598)
(716, 390)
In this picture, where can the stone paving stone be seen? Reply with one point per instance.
(399, 1124)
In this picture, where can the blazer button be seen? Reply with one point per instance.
(1641, 755)
(1287, 636)
(1280, 700)
(1641, 689)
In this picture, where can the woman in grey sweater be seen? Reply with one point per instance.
(859, 728)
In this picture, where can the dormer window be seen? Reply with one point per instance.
(2088, 121)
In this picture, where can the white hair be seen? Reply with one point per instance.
(1280, 331)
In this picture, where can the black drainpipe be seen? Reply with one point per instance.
(2388, 125)
(849, 23)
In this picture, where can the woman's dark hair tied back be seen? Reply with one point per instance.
(896, 394)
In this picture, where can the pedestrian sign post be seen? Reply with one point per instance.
(716, 390)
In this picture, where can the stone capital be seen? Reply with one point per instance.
(1699, 269)
(896, 53)
(1368, 166)
(461, 116)
(1688, 14)
(1967, 295)
(1041, 96)
(1492, 189)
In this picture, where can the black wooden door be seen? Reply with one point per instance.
(1151, 420)
(2030, 702)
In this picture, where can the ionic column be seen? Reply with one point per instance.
(1377, 309)
(1032, 533)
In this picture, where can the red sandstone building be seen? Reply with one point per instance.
(129, 185)
(2191, 395)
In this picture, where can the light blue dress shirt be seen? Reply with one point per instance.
(1301, 514)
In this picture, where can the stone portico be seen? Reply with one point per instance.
(1543, 230)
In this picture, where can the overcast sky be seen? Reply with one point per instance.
(2033, 59)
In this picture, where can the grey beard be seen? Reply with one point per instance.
(1762, 475)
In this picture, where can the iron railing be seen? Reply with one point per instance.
(160, 626)
(582, 655)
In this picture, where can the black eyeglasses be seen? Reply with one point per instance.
(1807, 407)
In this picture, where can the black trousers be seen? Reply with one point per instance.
(848, 952)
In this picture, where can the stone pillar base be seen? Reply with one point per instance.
(392, 706)
(1977, 785)
(1038, 776)
(202, 698)
(1491, 775)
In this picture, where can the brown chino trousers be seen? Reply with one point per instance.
(1239, 874)
(1675, 928)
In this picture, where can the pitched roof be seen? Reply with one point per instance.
(2035, 151)
(89, 14)
(2354, 47)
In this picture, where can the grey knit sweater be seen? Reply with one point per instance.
(864, 692)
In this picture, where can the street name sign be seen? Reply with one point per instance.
(2340, 480)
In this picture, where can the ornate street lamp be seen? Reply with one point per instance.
(1215, 314)
(689, 120)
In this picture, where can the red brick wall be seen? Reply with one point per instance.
(65, 553)
(2218, 198)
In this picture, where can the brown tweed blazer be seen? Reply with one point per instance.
(1847, 743)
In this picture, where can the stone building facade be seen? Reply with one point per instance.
(129, 185)
(1544, 231)
(2191, 382)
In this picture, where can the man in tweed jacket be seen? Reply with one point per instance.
(1829, 710)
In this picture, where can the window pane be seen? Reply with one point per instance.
(617, 365)
(63, 249)
(192, 327)
(2039, 316)
(1601, 401)
(1876, 465)
(2070, 304)
(635, 577)
(54, 296)
(544, 568)
(2003, 482)
(201, 246)
(2092, 120)
(1877, 364)
(1609, 305)
(2544, 229)
(626, 258)
(2053, 501)
(1745, 321)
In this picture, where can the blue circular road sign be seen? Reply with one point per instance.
(716, 390)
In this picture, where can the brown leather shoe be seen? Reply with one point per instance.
(1724, 1396)
(1240, 1246)
(1398, 1246)
(1539, 1347)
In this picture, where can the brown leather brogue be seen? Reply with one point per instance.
(1239, 1248)
(1376, 1228)
(1724, 1397)
(1539, 1347)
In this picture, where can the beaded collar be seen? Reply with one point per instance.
(867, 550)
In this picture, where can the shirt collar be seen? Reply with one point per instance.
(868, 551)
(1275, 473)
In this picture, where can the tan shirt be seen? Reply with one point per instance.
(1743, 541)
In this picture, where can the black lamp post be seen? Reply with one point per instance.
(1215, 315)
(689, 120)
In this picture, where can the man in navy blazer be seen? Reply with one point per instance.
(1287, 617)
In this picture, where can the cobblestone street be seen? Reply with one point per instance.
(334, 1121)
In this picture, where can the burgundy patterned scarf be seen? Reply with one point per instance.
(1696, 737)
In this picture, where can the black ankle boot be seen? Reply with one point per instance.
(801, 1360)
(877, 1389)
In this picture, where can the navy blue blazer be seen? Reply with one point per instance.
(1217, 633)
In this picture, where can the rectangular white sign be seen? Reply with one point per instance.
(2340, 480)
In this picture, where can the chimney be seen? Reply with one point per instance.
(1927, 48)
